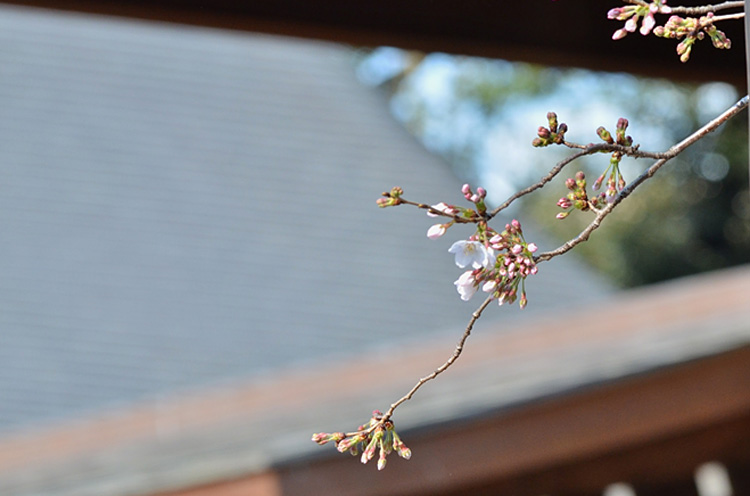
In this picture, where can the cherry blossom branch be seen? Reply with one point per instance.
(625, 192)
(499, 262)
(699, 23)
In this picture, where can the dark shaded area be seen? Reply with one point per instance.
(562, 33)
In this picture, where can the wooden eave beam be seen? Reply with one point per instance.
(552, 33)
(574, 444)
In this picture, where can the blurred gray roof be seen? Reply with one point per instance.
(182, 207)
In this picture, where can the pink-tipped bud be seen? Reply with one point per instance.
(481, 192)
(436, 231)
(598, 182)
(532, 247)
(466, 189)
(648, 24)
(489, 286)
(613, 13)
(619, 34)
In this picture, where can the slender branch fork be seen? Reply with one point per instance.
(662, 158)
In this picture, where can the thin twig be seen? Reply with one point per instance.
(456, 217)
(698, 10)
(727, 17)
(705, 9)
(456, 353)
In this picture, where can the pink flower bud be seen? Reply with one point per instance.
(648, 24)
(532, 247)
(435, 231)
(613, 13)
(481, 192)
(466, 189)
(619, 34)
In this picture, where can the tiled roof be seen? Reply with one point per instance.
(241, 433)
(186, 207)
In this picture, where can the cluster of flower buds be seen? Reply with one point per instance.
(376, 435)
(615, 180)
(477, 198)
(553, 134)
(390, 198)
(578, 198)
(632, 13)
(692, 29)
(500, 263)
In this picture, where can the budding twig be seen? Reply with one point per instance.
(647, 174)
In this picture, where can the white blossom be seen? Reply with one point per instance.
(440, 207)
(471, 253)
(465, 285)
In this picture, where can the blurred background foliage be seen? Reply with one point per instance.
(481, 115)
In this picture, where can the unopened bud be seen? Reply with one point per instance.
(552, 120)
(604, 135)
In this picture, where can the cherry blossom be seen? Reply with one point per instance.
(471, 253)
